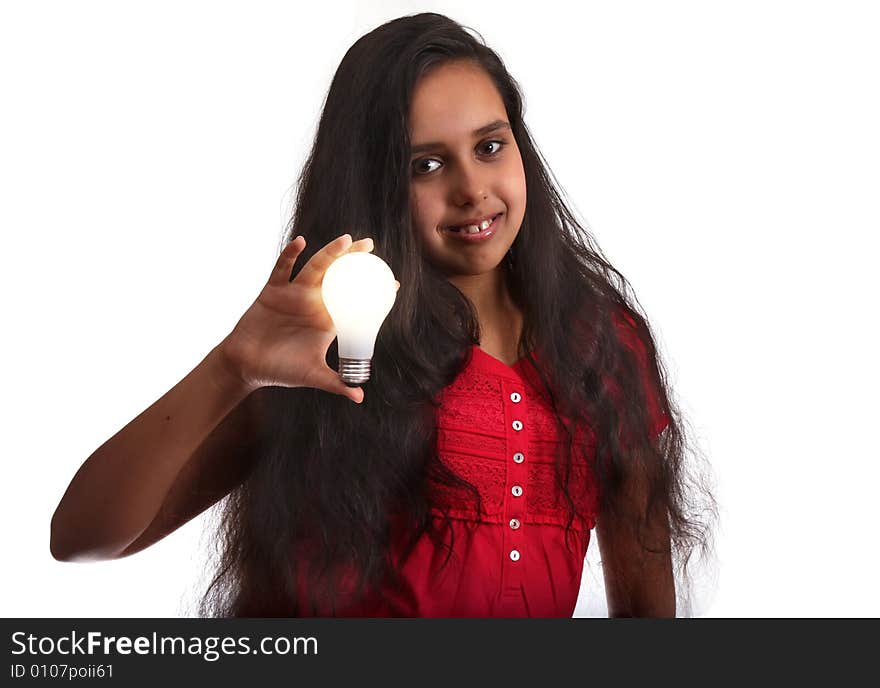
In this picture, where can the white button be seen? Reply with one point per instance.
(515, 397)
(514, 554)
(514, 523)
(518, 457)
(516, 490)
(517, 425)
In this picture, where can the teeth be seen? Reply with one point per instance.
(474, 229)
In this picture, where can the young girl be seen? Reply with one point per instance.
(516, 400)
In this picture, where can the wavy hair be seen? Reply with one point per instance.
(330, 475)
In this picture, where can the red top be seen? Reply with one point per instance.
(497, 430)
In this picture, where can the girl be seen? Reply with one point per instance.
(516, 401)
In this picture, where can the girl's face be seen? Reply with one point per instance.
(465, 165)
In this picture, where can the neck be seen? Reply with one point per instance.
(499, 317)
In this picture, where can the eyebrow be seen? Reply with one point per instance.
(492, 126)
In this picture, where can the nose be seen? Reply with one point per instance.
(470, 184)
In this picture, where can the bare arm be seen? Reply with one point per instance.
(638, 583)
(119, 489)
(198, 441)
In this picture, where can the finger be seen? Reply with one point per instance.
(356, 394)
(365, 245)
(313, 271)
(331, 382)
(287, 258)
(396, 285)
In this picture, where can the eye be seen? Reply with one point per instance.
(419, 170)
(497, 150)
(417, 166)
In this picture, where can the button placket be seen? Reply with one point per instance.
(516, 415)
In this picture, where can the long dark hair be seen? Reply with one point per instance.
(331, 474)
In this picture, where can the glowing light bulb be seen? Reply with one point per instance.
(358, 291)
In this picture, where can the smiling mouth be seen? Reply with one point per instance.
(473, 229)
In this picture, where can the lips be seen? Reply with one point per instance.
(480, 237)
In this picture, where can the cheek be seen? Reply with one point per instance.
(515, 179)
(425, 213)
(417, 211)
(521, 177)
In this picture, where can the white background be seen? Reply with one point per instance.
(725, 155)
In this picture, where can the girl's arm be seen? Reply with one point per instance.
(119, 490)
(198, 441)
(638, 583)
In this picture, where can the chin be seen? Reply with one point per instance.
(478, 268)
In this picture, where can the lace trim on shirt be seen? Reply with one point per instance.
(475, 386)
(473, 441)
(544, 500)
(474, 403)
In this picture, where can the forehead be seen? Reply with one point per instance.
(451, 101)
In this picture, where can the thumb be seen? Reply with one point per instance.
(356, 394)
(335, 385)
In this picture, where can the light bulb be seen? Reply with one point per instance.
(358, 291)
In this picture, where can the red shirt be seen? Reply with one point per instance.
(497, 430)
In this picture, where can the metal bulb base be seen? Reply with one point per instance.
(354, 371)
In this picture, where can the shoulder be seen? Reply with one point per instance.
(635, 336)
(631, 329)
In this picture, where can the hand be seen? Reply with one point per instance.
(282, 339)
